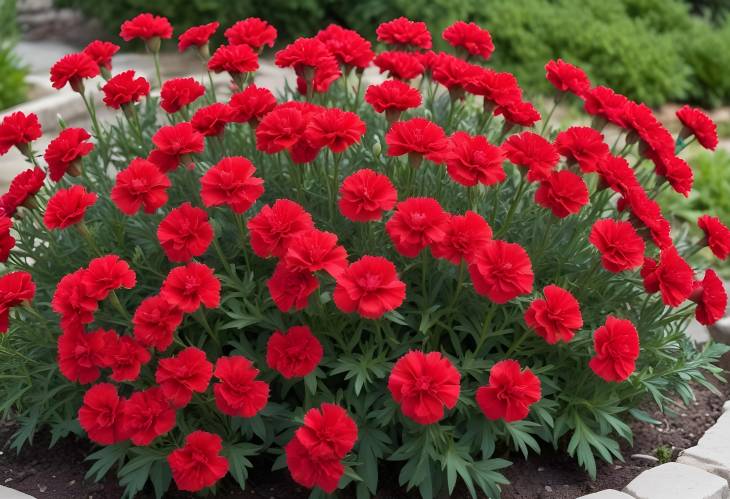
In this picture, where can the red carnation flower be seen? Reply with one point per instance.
(453, 73)
(148, 415)
(295, 353)
(191, 285)
(198, 464)
(465, 234)
(64, 153)
(405, 33)
(19, 130)
(350, 49)
(234, 59)
(605, 103)
(72, 301)
(146, 27)
(101, 53)
(370, 287)
(470, 37)
(274, 226)
(365, 195)
(314, 250)
(107, 273)
(125, 357)
(283, 128)
(423, 384)
(180, 376)
(616, 174)
(392, 97)
(22, 190)
(498, 89)
(124, 89)
(291, 289)
(501, 271)
(519, 113)
(81, 355)
(314, 454)
(696, 122)
(316, 67)
(416, 223)
(15, 288)
(211, 120)
(238, 393)
(640, 121)
(174, 144)
(671, 275)
(231, 182)
(71, 69)
(7, 242)
(253, 32)
(67, 207)
(711, 298)
(197, 36)
(647, 214)
(102, 415)
(717, 235)
(510, 392)
(567, 78)
(620, 246)
(582, 145)
(177, 93)
(556, 317)
(676, 171)
(531, 151)
(617, 348)
(155, 321)
(418, 138)
(400, 65)
(335, 129)
(563, 193)
(140, 185)
(251, 105)
(473, 160)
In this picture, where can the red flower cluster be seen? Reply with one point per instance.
(16, 288)
(197, 36)
(19, 130)
(254, 32)
(314, 456)
(238, 393)
(315, 65)
(124, 89)
(178, 93)
(198, 464)
(350, 49)
(404, 33)
(72, 69)
(64, 153)
(469, 37)
(617, 348)
(295, 353)
(67, 207)
(556, 317)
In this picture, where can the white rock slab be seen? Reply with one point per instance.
(678, 481)
(6, 493)
(607, 494)
(712, 452)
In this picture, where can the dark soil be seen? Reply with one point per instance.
(58, 473)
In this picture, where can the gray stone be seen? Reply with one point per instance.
(712, 452)
(726, 406)
(677, 481)
(607, 494)
(7, 493)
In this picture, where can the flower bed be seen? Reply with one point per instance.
(346, 276)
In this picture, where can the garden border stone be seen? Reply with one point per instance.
(8, 493)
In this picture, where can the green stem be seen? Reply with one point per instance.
(244, 239)
(335, 186)
(199, 316)
(84, 231)
(158, 73)
(114, 300)
(556, 102)
(212, 86)
(94, 122)
(485, 326)
(513, 207)
(515, 345)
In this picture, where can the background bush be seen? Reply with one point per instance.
(651, 50)
(12, 74)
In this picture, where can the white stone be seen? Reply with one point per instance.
(6, 493)
(712, 452)
(607, 494)
(677, 481)
(726, 406)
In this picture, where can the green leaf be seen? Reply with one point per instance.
(238, 462)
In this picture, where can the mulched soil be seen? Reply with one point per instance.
(58, 473)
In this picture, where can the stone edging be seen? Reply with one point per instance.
(700, 472)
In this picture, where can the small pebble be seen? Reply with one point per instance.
(71, 483)
(548, 488)
(646, 457)
(42, 488)
(8, 480)
(617, 467)
(692, 435)
(540, 468)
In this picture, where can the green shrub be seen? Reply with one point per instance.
(12, 74)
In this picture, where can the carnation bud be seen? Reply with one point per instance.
(77, 85)
(153, 44)
(204, 51)
(377, 149)
(105, 73)
(414, 160)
